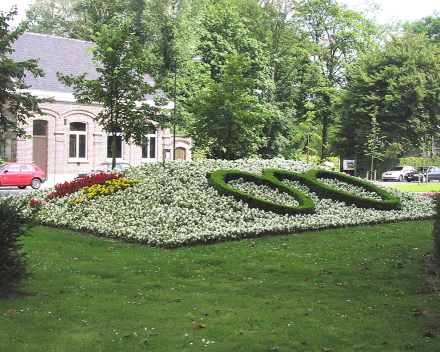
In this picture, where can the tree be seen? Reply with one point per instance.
(121, 87)
(401, 82)
(337, 35)
(79, 19)
(16, 106)
(15, 222)
(427, 25)
(229, 120)
(373, 146)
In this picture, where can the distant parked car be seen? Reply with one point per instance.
(21, 175)
(432, 172)
(104, 167)
(397, 173)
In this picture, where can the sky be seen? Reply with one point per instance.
(391, 10)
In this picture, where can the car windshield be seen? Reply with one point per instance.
(102, 167)
(422, 168)
(397, 168)
(2, 166)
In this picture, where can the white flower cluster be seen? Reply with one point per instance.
(264, 192)
(175, 205)
(346, 187)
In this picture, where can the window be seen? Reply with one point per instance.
(39, 128)
(118, 137)
(28, 168)
(77, 140)
(149, 150)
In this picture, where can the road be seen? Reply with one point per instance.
(13, 190)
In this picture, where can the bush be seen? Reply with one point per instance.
(436, 231)
(219, 180)
(16, 218)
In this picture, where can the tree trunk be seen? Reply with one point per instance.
(325, 124)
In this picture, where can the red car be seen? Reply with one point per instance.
(21, 175)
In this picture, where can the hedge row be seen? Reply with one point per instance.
(274, 179)
(417, 162)
(219, 180)
(310, 179)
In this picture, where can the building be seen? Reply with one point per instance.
(67, 140)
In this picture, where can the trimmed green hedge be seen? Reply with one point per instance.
(219, 180)
(310, 179)
(274, 179)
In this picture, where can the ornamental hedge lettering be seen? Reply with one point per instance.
(219, 180)
(274, 179)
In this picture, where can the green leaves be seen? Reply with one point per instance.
(14, 102)
(228, 117)
(121, 87)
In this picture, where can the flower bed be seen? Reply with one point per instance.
(176, 205)
(63, 189)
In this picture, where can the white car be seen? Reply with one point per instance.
(104, 167)
(397, 173)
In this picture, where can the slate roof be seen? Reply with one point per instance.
(68, 56)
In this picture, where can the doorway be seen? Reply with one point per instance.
(39, 147)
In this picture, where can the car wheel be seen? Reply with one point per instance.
(22, 187)
(400, 178)
(35, 183)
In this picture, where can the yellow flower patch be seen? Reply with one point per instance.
(107, 188)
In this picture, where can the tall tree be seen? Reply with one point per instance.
(337, 35)
(79, 19)
(401, 82)
(428, 25)
(229, 119)
(16, 106)
(121, 87)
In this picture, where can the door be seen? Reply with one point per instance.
(180, 153)
(39, 155)
(11, 176)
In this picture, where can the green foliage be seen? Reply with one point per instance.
(121, 87)
(427, 25)
(80, 19)
(436, 231)
(228, 118)
(336, 36)
(274, 179)
(400, 82)
(15, 221)
(14, 102)
(311, 180)
(219, 180)
(417, 162)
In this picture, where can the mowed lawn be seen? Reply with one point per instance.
(433, 186)
(351, 289)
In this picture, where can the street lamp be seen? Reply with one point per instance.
(195, 58)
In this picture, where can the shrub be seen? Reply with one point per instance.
(436, 231)
(16, 218)
(219, 180)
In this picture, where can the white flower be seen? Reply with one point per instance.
(175, 205)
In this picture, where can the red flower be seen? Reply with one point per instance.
(62, 189)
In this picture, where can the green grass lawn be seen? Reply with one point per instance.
(352, 289)
(415, 187)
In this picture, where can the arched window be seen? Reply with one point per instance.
(78, 140)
